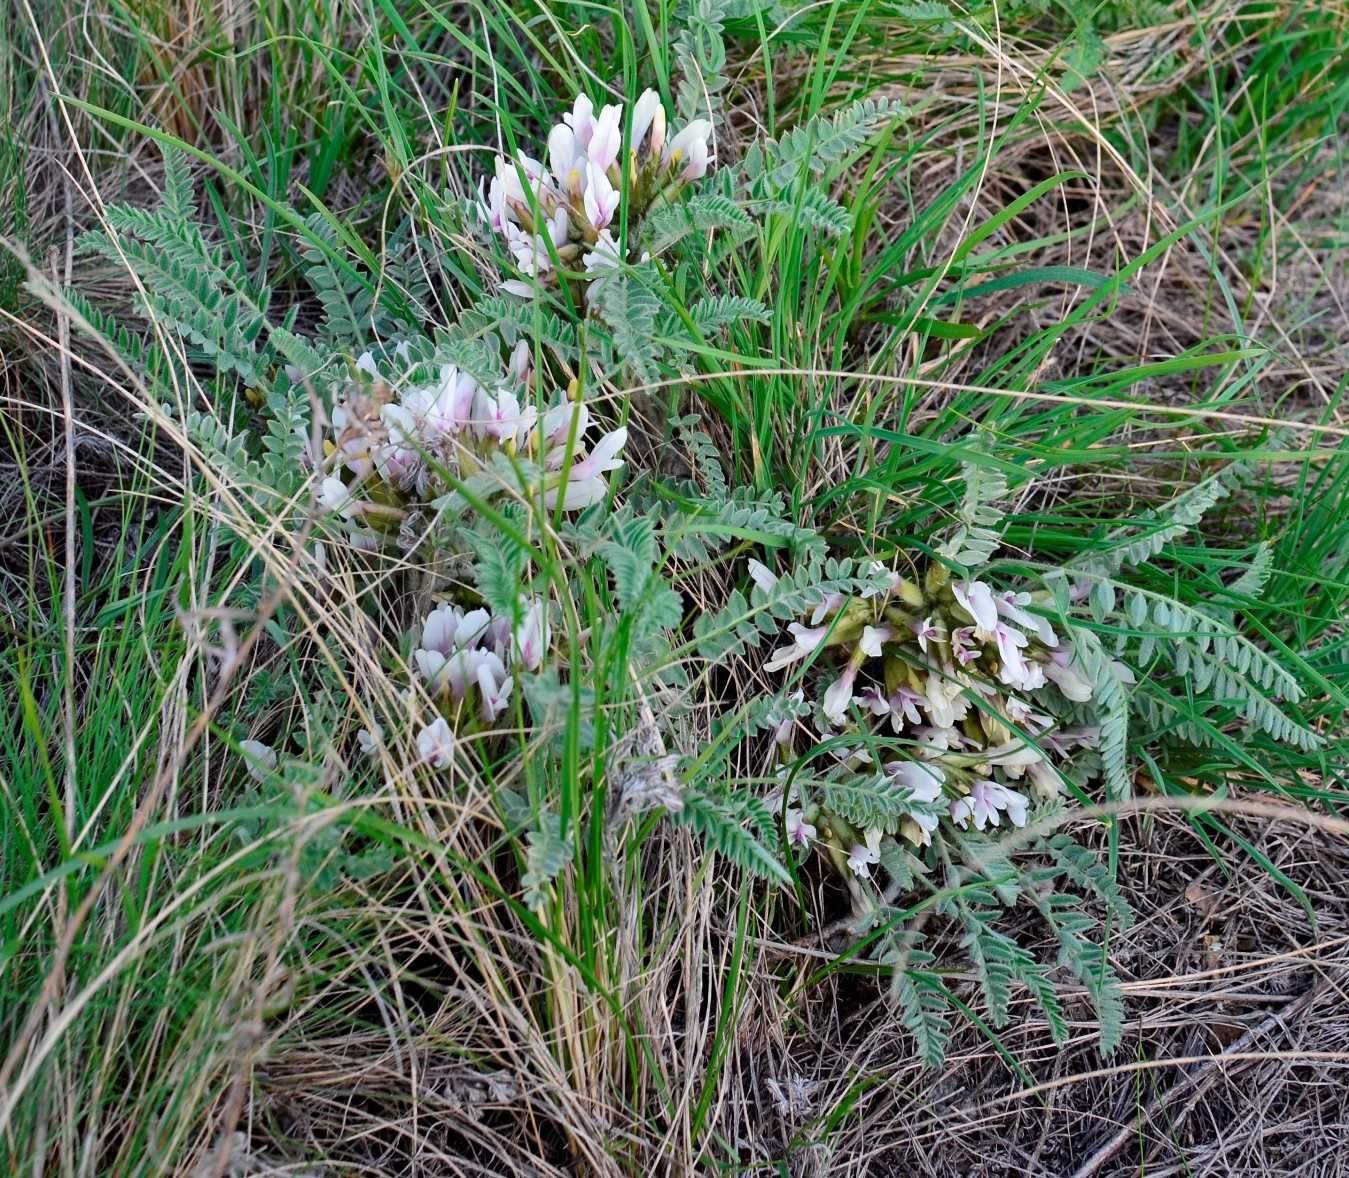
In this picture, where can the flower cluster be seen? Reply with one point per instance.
(961, 685)
(389, 448)
(467, 662)
(567, 216)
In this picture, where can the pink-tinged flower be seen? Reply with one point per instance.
(657, 145)
(806, 640)
(832, 603)
(762, 576)
(259, 759)
(698, 160)
(585, 483)
(986, 802)
(923, 781)
(875, 701)
(564, 157)
(946, 701)
(1062, 671)
(962, 646)
(873, 638)
(369, 741)
(688, 153)
(520, 367)
(838, 696)
(494, 686)
(563, 424)
(862, 859)
(1015, 670)
(601, 197)
(976, 599)
(582, 121)
(334, 496)
(643, 115)
(440, 627)
(492, 205)
(508, 175)
(472, 628)
(606, 141)
(501, 416)
(458, 671)
(800, 833)
(442, 409)
(782, 727)
(529, 639)
(435, 744)
(1009, 606)
(928, 632)
(904, 705)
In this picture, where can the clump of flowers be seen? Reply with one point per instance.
(390, 448)
(467, 662)
(568, 215)
(957, 687)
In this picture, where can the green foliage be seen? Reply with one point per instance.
(734, 826)
(629, 308)
(700, 58)
(978, 532)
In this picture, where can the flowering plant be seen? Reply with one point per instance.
(571, 215)
(959, 691)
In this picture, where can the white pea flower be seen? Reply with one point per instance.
(501, 416)
(529, 640)
(560, 424)
(904, 705)
(873, 637)
(832, 603)
(1015, 670)
(806, 640)
(494, 685)
(1061, 670)
(644, 113)
(606, 140)
(928, 633)
(861, 859)
(946, 701)
(688, 152)
(924, 781)
(369, 741)
(585, 484)
(435, 744)
(259, 759)
(875, 701)
(800, 833)
(986, 801)
(762, 576)
(565, 157)
(838, 696)
(976, 599)
(1009, 606)
(601, 197)
(335, 496)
